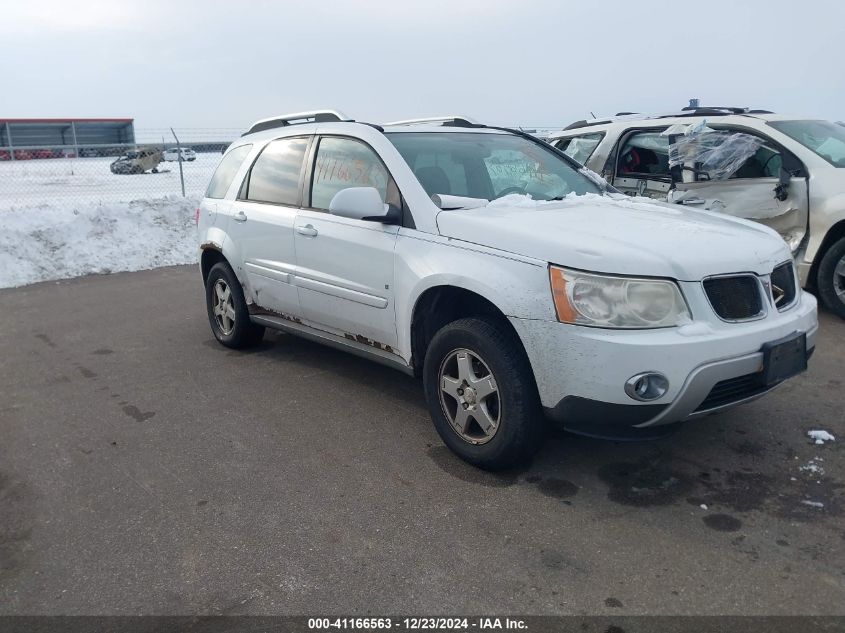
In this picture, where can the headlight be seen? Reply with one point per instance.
(616, 302)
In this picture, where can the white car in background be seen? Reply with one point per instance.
(172, 154)
(500, 271)
(784, 171)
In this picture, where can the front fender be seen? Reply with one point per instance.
(517, 286)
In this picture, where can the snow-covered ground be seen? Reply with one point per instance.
(62, 218)
(88, 180)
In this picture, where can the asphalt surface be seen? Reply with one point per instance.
(145, 469)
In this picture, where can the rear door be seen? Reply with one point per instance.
(261, 225)
(742, 174)
(641, 166)
(344, 265)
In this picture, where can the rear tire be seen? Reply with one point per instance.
(481, 394)
(228, 314)
(830, 279)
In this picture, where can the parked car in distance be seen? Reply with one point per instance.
(172, 154)
(784, 171)
(137, 161)
(507, 276)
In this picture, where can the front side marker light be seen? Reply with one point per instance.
(565, 312)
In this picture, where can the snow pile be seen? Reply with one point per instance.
(812, 504)
(57, 241)
(813, 466)
(821, 436)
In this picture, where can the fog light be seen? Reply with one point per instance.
(647, 386)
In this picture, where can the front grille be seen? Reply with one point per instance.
(783, 286)
(735, 298)
(733, 390)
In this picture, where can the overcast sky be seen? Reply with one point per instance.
(223, 64)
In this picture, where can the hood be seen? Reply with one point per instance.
(620, 235)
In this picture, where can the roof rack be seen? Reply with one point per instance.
(296, 118)
(457, 120)
(684, 112)
(732, 110)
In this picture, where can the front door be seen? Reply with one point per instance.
(345, 266)
(743, 175)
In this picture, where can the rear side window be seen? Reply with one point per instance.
(580, 148)
(274, 177)
(644, 154)
(225, 171)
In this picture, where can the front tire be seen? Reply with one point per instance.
(481, 394)
(227, 311)
(831, 278)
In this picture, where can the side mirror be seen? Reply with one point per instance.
(362, 203)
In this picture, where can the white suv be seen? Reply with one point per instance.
(783, 171)
(502, 272)
(172, 154)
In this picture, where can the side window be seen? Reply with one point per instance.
(765, 162)
(275, 175)
(644, 154)
(580, 148)
(225, 171)
(723, 154)
(343, 163)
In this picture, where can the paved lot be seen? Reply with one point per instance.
(145, 469)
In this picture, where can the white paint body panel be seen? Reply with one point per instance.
(622, 237)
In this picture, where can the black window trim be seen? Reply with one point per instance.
(244, 188)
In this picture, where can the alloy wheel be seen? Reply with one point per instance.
(469, 396)
(839, 280)
(223, 307)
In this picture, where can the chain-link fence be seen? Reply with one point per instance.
(51, 175)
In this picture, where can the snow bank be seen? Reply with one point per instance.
(821, 436)
(58, 241)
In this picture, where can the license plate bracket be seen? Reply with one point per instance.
(784, 358)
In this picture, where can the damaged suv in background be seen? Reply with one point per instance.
(783, 171)
(138, 161)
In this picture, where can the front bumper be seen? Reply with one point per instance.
(581, 372)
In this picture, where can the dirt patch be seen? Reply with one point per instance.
(648, 482)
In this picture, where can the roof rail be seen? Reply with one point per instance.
(733, 110)
(296, 118)
(458, 119)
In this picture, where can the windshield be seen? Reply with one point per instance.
(488, 166)
(822, 137)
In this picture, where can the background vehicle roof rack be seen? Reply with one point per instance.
(297, 118)
(688, 111)
(732, 110)
(457, 120)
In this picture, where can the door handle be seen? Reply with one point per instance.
(307, 230)
(240, 216)
(692, 201)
